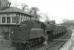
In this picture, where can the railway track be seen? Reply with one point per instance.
(56, 45)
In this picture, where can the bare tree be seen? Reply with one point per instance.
(25, 8)
(44, 17)
(4, 4)
(34, 11)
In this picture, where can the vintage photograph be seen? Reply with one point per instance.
(36, 24)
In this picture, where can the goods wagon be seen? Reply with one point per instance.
(55, 31)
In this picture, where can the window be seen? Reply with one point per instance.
(15, 19)
(24, 18)
(29, 18)
(8, 20)
(3, 19)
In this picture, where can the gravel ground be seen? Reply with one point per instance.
(5, 45)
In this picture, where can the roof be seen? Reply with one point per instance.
(12, 9)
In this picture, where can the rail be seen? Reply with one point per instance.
(61, 42)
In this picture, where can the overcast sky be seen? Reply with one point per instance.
(56, 9)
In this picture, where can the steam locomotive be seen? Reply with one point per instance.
(33, 33)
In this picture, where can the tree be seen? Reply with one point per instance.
(25, 8)
(44, 17)
(4, 4)
(34, 11)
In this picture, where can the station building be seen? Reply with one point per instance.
(10, 17)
